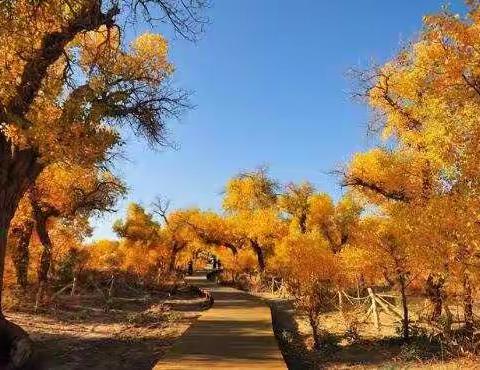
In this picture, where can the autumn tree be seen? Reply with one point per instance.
(105, 255)
(309, 210)
(180, 233)
(216, 230)
(173, 225)
(295, 201)
(69, 256)
(380, 250)
(313, 273)
(172, 233)
(142, 243)
(250, 203)
(63, 191)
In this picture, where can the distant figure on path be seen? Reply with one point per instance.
(190, 268)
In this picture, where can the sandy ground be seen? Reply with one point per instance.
(77, 333)
(375, 350)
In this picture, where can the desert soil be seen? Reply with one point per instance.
(77, 333)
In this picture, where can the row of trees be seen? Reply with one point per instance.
(291, 232)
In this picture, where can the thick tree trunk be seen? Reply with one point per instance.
(46, 258)
(468, 303)
(15, 346)
(260, 256)
(21, 255)
(7, 210)
(18, 169)
(436, 295)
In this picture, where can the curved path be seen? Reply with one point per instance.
(236, 333)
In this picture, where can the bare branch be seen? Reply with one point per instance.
(185, 16)
(161, 205)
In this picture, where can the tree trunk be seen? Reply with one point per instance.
(6, 215)
(313, 320)
(405, 319)
(468, 303)
(18, 169)
(260, 256)
(232, 248)
(302, 222)
(436, 295)
(173, 258)
(390, 282)
(46, 258)
(16, 348)
(21, 255)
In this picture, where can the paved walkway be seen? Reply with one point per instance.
(236, 333)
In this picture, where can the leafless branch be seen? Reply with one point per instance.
(161, 205)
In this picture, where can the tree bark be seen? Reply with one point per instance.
(313, 320)
(260, 256)
(302, 221)
(46, 258)
(177, 247)
(435, 294)
(21, 255)
(18, 169)
(6, 215)
(232, 247)
(16, 348)
(172, 262)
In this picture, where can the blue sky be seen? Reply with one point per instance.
(270, 87)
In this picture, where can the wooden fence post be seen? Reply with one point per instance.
(376, 319)
(74, 284)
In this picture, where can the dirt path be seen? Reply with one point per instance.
(236, 333)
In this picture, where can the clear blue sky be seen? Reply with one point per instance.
(270, 87)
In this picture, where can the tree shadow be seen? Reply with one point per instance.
(81, 334)
(291, 342)
(98, 353)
